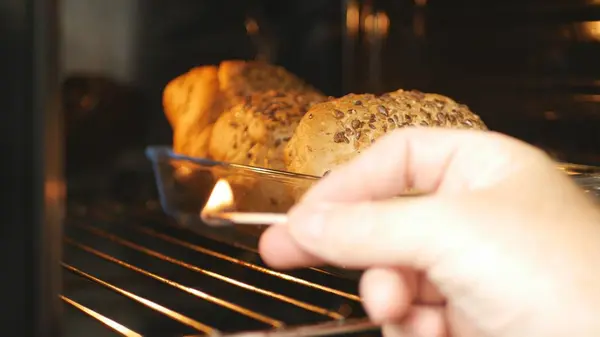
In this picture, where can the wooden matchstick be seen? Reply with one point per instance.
(243, 218)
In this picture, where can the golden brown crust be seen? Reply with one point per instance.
(190, 92)
(239, 79)
(192, 103)
(334, 132)
(256, 131)
(267, 102)
(195, 100)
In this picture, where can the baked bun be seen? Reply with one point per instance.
(256, 131)
(239, 79)
(334, 132)
(195, 100)
(192, 103)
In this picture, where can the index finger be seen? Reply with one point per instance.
(413, 158)
(419, 158)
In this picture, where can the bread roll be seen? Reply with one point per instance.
(192, 103)
(195, 100)
(267, 102)
(264, 104)
(334, 132)
(255, 132)
(239, 79)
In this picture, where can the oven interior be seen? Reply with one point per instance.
(529, 68)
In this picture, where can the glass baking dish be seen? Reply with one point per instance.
(185, 183)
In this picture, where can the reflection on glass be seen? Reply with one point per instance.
(352, 18)
(376, 28)
(591, 30)
(251, 26)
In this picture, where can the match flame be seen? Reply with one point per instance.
(221, 198)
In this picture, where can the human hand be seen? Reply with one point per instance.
(503, 244)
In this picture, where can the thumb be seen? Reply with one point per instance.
(412, 231)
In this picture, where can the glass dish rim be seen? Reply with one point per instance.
(158, 152)
(155, 153)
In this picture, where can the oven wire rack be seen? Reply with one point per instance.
(111, 252)
(134, 272)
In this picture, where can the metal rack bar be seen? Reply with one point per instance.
(167, 248)
(238, 245)
(123, 330)
(157, 307)
(315, 330)
(192, 291)
(245, 264)
(153, 253)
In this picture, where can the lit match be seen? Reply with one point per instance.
(219, 210)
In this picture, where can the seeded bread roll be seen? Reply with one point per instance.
(256, 131)
(239, 79)
(194, 101)
(334, 132)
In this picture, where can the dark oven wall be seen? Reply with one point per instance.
(529, 68)
(115, 73)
